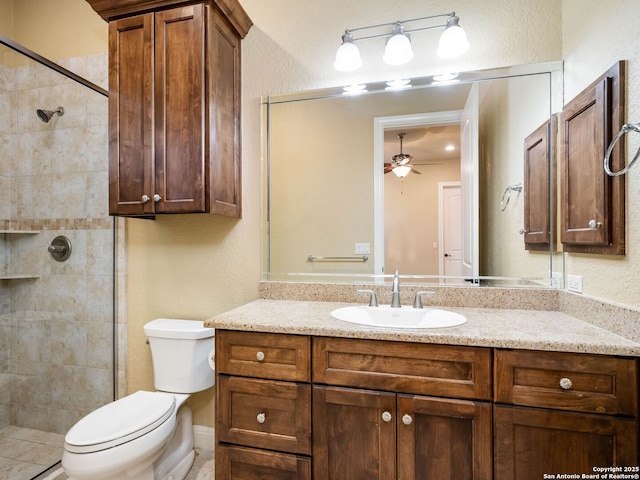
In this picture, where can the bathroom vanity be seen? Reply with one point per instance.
(510, 394)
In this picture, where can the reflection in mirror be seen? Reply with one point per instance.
(327, 194)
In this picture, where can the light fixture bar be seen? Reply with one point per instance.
(398, 51)
(402, 22)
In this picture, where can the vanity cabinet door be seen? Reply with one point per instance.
(531, 442)
(444, 439)
(354, 434)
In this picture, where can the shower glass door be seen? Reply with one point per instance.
(56, 255)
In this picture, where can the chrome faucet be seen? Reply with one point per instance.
(395, 298)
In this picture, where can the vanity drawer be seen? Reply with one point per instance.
(264, 414)
(263, 355)
(567, 381)
(240, 462)
(426, 369)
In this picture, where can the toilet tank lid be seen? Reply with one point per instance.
(174, 328)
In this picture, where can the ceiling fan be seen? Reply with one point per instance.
(400, 162)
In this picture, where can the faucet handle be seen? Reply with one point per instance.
(418, 301)
(373, 300)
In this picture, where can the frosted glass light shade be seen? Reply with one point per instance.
(348, 56)
(401, 170)
(398, 50)
(453, 41)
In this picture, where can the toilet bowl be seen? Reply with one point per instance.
(147, 435)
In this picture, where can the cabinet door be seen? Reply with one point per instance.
(239, 463)
(532, 442)
(225, 186)
(353, 434)
(539, 199)
(593, 203)
(444, 439)
(131, 115)
(180, 110)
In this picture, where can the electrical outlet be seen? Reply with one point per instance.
(363, 248)
(556, 280)
(574, 283)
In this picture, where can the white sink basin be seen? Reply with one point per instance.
(403, 317)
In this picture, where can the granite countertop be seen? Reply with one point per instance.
(486, 327)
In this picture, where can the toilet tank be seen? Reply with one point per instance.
(180, 352)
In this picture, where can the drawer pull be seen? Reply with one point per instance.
(261, 418)
(386, 416)
(260, 356)
(406, 419)
(566, 383)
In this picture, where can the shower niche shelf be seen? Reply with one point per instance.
(18, 276)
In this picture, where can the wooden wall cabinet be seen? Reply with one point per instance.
(174, 106)
(593, 203)
(539, 196)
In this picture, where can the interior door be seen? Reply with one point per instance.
(469, 153)
(450, 212)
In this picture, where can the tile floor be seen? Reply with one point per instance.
(25, 453)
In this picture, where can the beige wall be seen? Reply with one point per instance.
(55, 29)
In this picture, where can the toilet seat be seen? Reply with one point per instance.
(121, 421)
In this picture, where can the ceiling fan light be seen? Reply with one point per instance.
(453, 41)
(401, 170)
(348, 56)
(398, 50)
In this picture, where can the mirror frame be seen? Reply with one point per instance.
(555, 71)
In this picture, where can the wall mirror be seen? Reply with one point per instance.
(331, 213)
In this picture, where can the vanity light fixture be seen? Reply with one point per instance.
(398, 84)
(355, 89)
(398, 51)
(445, 78)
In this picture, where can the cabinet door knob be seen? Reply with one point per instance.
(566, 383)
(157, 198)
(406, 419)
(261, 418)
(260, 356)
(386, 416)
(145, 198)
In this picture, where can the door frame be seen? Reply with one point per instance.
(380, 124)
(441, 220)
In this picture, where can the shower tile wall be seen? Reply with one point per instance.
(56, 349)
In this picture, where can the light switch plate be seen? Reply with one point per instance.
(363, 248)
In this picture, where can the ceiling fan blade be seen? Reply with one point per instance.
(413, 170)
(388, 167)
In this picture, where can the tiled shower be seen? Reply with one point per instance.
(57, 351)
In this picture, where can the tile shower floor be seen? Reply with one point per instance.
(25, 453)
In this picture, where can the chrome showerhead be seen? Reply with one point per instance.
(46, 115)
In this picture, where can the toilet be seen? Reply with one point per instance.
(147, 435)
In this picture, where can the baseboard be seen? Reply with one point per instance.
(203, 437)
